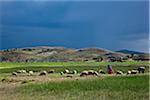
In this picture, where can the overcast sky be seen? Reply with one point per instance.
(111, 25)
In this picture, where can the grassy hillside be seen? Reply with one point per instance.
(54, 54)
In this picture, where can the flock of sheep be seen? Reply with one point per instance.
(83, 73)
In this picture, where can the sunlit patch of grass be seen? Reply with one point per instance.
(65, 64)
(6, 67)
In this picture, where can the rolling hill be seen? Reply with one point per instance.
(56, 54)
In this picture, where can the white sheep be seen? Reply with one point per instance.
(43, 73)
(14, 73)
(31, 72)
(119, 72)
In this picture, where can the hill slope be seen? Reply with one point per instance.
(55, 54)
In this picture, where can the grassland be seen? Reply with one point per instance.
(57, 87)
(7, 67)
(64, 64)
(106, 88)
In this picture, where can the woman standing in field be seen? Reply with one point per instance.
(109, 69)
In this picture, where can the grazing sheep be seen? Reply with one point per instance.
(18, 71)
(24, 71)
(84, 73)
(43, 73)
(66, 71)
(90, 72)
(101, 72)
(61, 73)
(134, 71)
(128, 72)
(70, 72)
(141, 69)
(95, 73)
(31, 72)
(51, 71)
(119, 72)
(74, 72)
(14, 73)
(21, 71)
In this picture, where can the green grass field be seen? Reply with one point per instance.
(60, 66)
(64, 64)
(57, 87)
(106, 88)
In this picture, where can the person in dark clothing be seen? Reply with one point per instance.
(109, 69)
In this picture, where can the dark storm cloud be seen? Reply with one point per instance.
(111, 25)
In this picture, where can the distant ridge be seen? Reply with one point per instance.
(130, 52)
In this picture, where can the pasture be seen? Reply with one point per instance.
(60, 87)
(7, 67)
